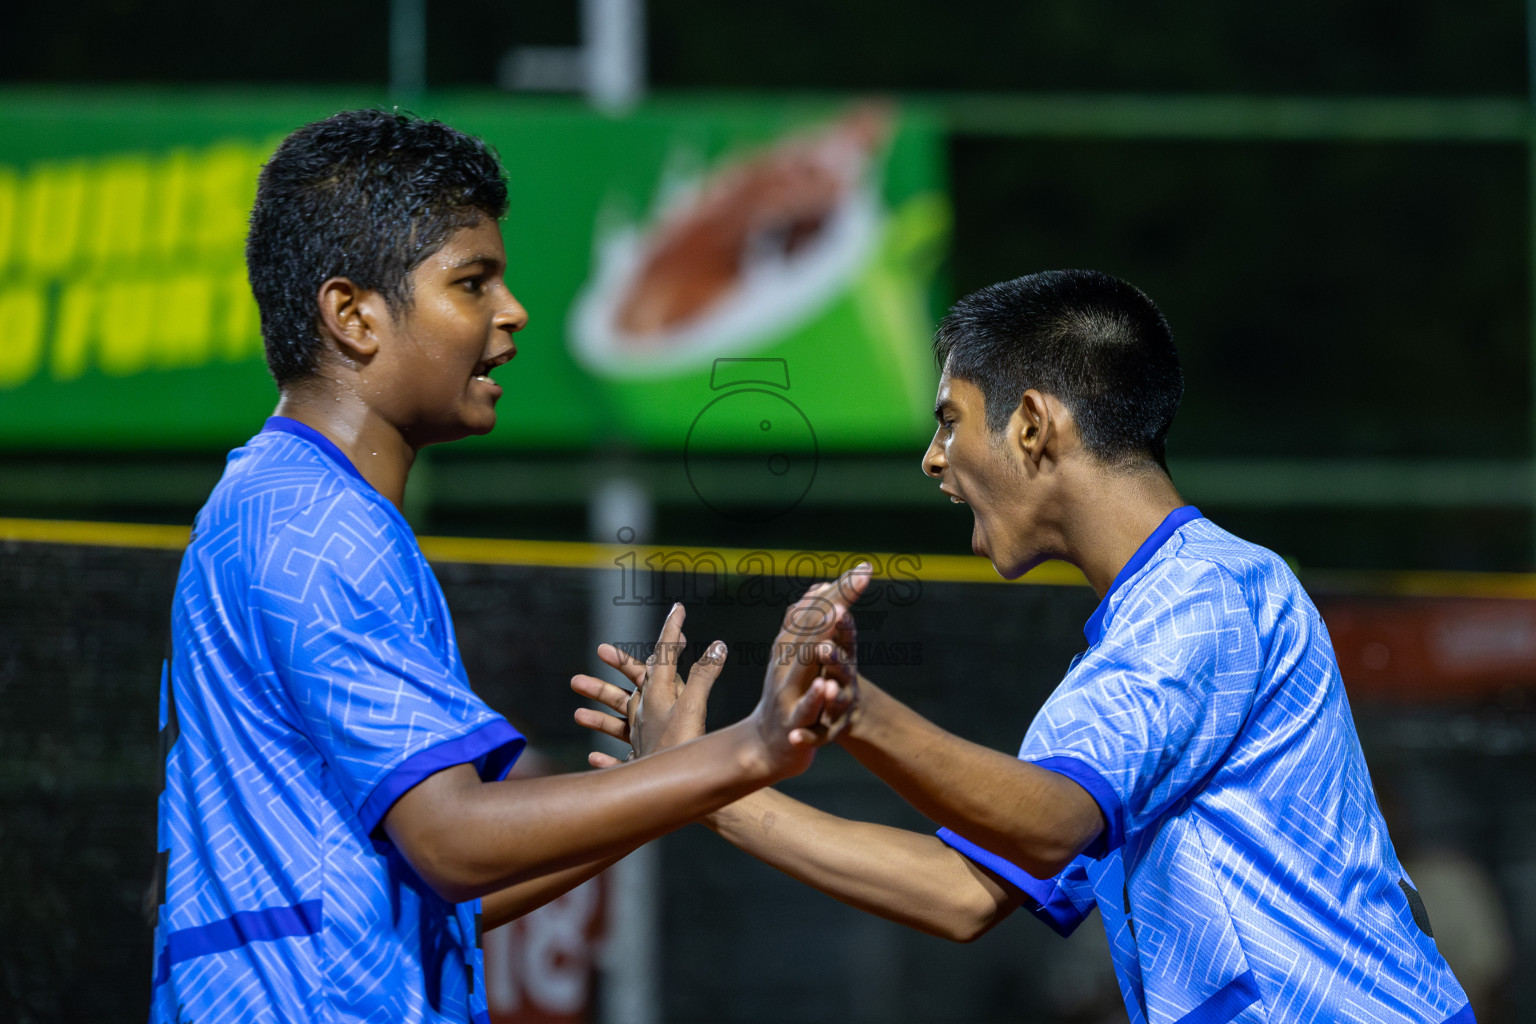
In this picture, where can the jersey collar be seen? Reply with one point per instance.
(1094, 630)
(288, 425)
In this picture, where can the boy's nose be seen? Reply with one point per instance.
(933, 458)
(512, 317)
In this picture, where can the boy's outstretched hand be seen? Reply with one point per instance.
(816, 647)
(660, 711)
(808, 693)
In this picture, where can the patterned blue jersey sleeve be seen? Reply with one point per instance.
(362, 646)
(1152, 709)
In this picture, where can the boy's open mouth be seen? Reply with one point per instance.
(485, 366)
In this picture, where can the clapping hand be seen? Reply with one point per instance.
(818, 639)
(660, 711)
(809, 691)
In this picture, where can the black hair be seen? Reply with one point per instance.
(1093, 341)
(364, 194)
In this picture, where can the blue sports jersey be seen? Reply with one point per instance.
(1245, 873)
(314, 678)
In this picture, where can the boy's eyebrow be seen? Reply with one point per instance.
(944, 406)
(478, 258)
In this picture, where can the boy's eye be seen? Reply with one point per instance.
(473, 284)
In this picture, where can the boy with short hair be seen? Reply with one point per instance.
(334, 803)
(1196, 776)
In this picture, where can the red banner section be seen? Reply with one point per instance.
(539, 968)
(1433, 650)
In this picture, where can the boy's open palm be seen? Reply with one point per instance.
(660, 711)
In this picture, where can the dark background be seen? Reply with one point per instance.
(1376, 47)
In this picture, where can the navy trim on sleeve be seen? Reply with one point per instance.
(1044, 898)
(1103, 794)
(492, 748)
(1462, 1016)
(288, 425)
(1094, 629)
(1036, 889)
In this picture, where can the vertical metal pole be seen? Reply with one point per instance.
(620, 512)
(1530, 273)
(407, 49)
(613, 36)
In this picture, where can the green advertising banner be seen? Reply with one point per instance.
(708, 276)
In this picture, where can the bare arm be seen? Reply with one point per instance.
(513, 902)
(1035, 818)
(467, 838)
(906, 877)
(504, 905)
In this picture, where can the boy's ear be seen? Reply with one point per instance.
(348, 315)
(1034, 425)
(1043, 425)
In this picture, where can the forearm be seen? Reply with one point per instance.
(508, 904)
(468, 838)
(1036, 818)
(907, 877)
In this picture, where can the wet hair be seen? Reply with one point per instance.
(364, 194)
(1095, 342)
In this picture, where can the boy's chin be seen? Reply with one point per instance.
(1012, 566)
(479, 419)
(458, 431)
(482, 426)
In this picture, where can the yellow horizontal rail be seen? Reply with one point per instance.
(107, 535)
(577, 555)
(761, 561)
